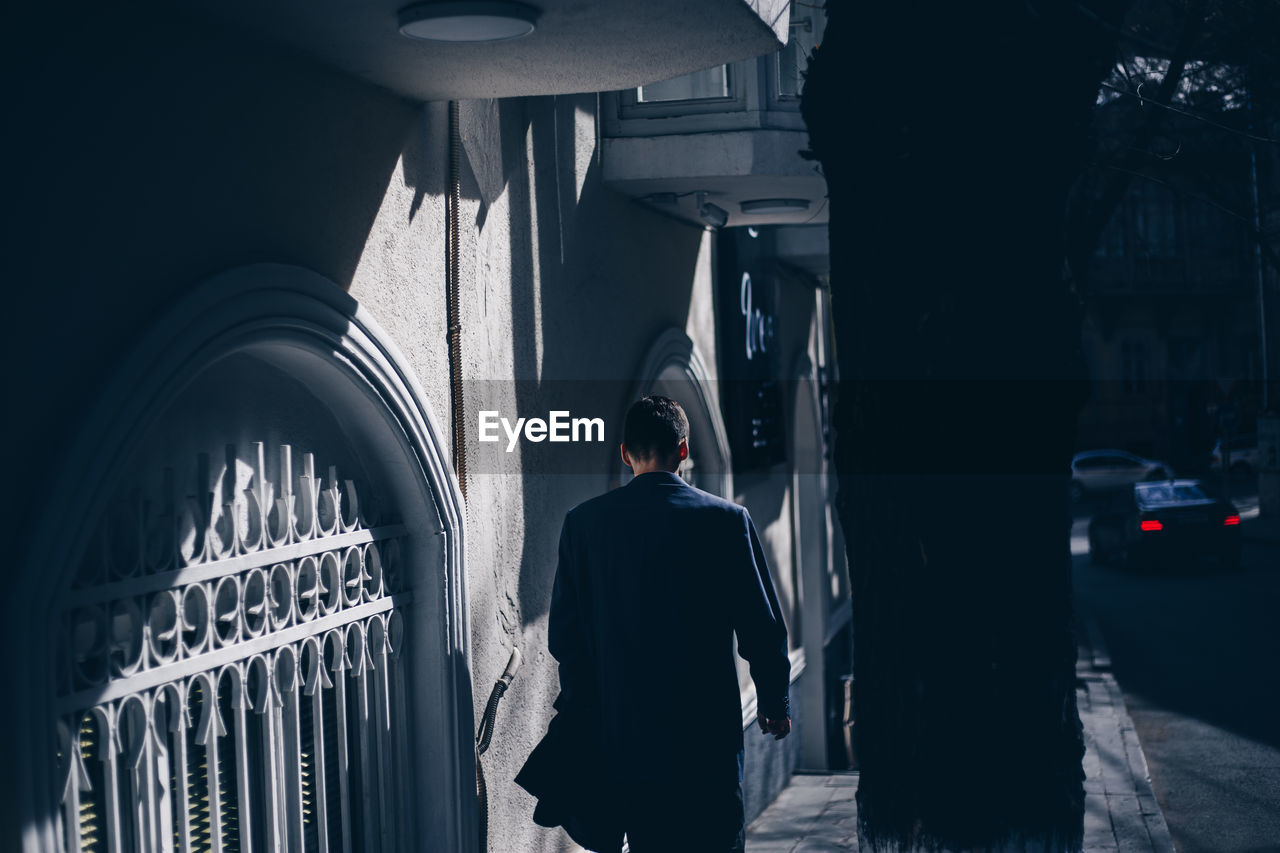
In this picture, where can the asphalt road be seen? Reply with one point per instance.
(1197, 655)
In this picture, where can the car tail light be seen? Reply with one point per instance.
(1231, 521)
(1150, 525)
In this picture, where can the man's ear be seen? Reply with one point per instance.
(626, 458)
(684, 449)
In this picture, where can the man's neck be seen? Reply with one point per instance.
(651, 469)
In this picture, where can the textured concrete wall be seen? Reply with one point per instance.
(170, 156)
(570, 282)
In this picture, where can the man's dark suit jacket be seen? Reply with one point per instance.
(654, 581)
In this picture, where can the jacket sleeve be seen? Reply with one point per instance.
(566, 638)
(757, 620)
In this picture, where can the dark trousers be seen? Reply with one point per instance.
(676, 817)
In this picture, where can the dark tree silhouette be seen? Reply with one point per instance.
(950, 135)
(1194, 80)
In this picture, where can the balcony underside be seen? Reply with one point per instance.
(732, 167)
(575, 47)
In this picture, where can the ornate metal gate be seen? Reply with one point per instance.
(230, 671)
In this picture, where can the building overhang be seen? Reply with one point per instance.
(574, 47)
(733, 167)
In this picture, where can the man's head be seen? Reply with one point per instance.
(655, 435)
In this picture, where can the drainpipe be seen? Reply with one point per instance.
(453, 318)
(1269, 414)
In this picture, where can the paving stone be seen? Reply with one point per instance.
(780, 825)
(771, 846)
(1097, 824)
(1115, 771)
(1092, 764)
(1126, 820)
(1158, 832)
(810, 780)
(830, 826)
(812, 795)
(1137, 762)
(1099, 697)
(816, 845)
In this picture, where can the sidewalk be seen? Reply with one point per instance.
(814, 814)
(817, 812)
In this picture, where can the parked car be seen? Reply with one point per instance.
(1164, 524)
(1244, 454)
(1095, 471)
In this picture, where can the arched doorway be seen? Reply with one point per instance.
(674, 368)
(249, 619)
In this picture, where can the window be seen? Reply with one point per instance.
(712, 90)
(790, 62)
(710, 83)
(1165, 493)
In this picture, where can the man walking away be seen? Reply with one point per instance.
(654, 580)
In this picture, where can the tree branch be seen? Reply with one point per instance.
(1083, 237)
(1120, 31)
(1246, 134)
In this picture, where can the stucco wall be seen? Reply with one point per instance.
(172, 154)
(565, 286)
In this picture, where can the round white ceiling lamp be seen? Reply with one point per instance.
(764, 206)
(467, 21)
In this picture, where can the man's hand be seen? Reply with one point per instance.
(778, 728)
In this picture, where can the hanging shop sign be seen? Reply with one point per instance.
(749, 360)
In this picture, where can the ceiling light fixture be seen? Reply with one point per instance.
(712, 214)
(764, 206)
(467, 21)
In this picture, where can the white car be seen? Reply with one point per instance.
(1103, 470)
(1244, 455)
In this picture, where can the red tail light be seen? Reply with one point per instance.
(1150, 525)
(1231, 520)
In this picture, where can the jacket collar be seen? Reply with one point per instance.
(658, 478)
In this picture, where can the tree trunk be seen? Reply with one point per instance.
(949, 139)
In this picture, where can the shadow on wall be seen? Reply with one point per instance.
(594, 279)
(159, 148)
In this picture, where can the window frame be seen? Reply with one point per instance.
(629, 105)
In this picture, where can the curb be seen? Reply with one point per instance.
(1121, 811)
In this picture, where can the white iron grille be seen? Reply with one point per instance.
(231, 674)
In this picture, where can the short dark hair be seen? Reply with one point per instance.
(654, 427)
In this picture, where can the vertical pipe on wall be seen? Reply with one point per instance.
(1259, 271)
(454, 314)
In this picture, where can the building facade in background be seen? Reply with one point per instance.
(1172, 330)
